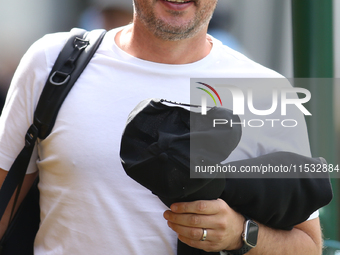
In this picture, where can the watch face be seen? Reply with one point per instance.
(251, 232)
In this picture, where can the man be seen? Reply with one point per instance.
(88, 204)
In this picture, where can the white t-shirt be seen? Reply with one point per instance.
(88, 203)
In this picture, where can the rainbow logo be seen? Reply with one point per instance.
(209, 93)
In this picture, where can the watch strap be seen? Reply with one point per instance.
(244, 249)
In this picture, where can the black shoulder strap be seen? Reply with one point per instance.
(72, 60)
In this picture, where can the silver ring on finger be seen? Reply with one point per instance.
(205, 233)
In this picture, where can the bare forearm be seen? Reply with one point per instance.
(303, 239)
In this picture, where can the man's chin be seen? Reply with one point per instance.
(172, 32)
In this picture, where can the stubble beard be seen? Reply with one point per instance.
(170, 32)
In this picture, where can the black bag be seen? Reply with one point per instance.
(72, 60)
(161, 142)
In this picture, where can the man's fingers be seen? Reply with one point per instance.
(198, 207)
(223, 225)
(189, 232)
(191, 219)
(207, 245)
(198, 214)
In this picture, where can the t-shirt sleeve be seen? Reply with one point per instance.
(21, 101)
(314, 215)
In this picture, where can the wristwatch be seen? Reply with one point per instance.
(249, 237)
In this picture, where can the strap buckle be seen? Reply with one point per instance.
(63, 77)
(60, 78)
(80, 43)
(31, 135)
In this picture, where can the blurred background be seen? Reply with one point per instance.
(297, 38)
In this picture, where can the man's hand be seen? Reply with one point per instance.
(224, 226)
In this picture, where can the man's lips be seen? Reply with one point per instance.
(177, 5)
(178, 1)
